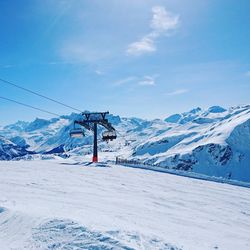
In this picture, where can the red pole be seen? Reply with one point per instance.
(95, 154)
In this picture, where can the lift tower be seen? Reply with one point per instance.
(90, 122)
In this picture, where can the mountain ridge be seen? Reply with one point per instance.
(214, 141)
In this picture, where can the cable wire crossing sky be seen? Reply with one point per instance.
(143, 58)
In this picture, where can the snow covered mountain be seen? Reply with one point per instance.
(10, 150)
(215, 141)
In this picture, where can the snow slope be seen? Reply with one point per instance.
(60, 205)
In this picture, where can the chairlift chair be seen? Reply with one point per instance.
(76, 133)
(109, 135)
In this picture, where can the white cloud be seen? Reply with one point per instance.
(163, 20)
(147, 80)
(161, 23)
(145, 45)
(178, 92)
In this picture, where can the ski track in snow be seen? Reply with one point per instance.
(56, 205)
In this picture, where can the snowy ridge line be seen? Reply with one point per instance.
(187, 174)
(213, 142)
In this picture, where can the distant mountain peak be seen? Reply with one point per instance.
(195, 110)
(173, 118)
(216, 109)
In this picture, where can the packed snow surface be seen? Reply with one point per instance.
(58, 204)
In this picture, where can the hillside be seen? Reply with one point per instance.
(214, 142)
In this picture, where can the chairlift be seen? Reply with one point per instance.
(109, 135)
(76, 133)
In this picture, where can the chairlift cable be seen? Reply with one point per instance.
(40, 95)
(29, 106)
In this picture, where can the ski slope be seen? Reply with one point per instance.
(57, 204)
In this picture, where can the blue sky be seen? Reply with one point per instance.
(144, 58)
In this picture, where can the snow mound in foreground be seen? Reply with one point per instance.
(67, 234)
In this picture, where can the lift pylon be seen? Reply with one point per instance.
(90, 122)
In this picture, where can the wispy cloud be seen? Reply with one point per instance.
(99, 72)
(125, 80)
(177, 92)
(147, 81)
(162, 22)
(142, 81)
(145, 45)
